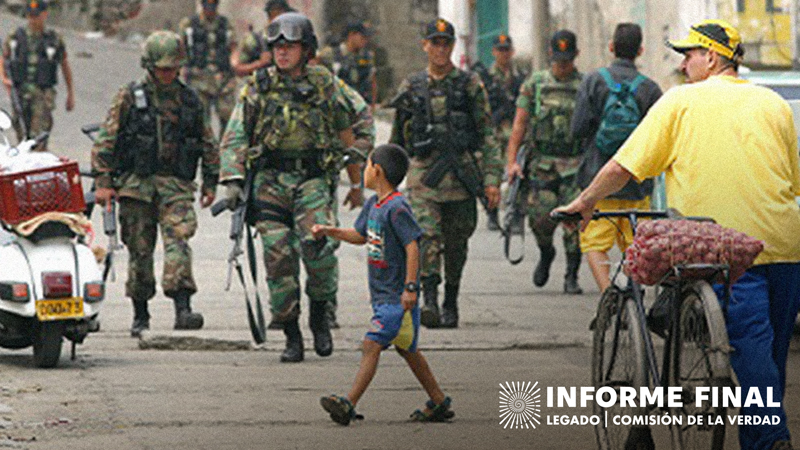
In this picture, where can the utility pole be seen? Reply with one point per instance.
(542, 31)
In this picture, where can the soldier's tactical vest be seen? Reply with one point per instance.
(138, 147)
(293, 118)
(48, 55)
(354, 71)
(554, 103)
(198, 45)
(456, 131)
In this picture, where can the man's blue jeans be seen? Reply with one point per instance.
(760, 322)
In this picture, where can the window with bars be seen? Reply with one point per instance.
(775, 6)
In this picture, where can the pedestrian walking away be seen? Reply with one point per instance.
(388, 228)
(444, 121)
(545, 107)
(708, 136)
(288, 131)
(33, 54)
(146, 155)
(611, 102)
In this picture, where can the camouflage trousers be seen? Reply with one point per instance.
(541, 202)
(446, 229)
(37, 111)
(139, 222)
(287, 206)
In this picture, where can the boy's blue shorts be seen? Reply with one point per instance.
(393, 326)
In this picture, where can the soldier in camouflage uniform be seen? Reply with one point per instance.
(444, 109)
(209, 41)
(288, 130)
(33, 55)
(544, 109)
(353, 61)
(253, 54)
(146, 154)
(502, 80)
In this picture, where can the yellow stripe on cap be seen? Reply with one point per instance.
(709, 43)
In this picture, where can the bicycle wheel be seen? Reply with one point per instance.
(618, 360)
(700, 358)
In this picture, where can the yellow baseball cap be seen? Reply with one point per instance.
(716, 35)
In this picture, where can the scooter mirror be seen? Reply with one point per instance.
(5, 120)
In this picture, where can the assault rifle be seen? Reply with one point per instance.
(110, 230)
(16, 106)
(514, 219)
(469, 177)
(240, 229)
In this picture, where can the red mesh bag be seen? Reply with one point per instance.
(660, 245)
(25, 195)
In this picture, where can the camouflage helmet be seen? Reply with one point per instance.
(292, 27)
(163, 50)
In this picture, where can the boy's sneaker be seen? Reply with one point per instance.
(434, 412)
(340, 409)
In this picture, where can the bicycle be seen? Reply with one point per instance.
(695, 350)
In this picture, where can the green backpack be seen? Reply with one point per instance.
(621, 114)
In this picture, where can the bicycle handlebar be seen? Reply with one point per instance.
(576, 217)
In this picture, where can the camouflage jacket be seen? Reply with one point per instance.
(209, 79)
(252, 46)
(487, 153)
(503, 96)
(30, 62)
(356, 69)
(361, 118)
(285, 117)
(550, 103)
(106, 158)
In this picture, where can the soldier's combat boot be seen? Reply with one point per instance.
(429, 315)
(185, 319)
(294, 342)
(542, 272)
(330, 315)
(571, 278)
(320, 328)
(450, 307)
(141, 318)
(493, 221)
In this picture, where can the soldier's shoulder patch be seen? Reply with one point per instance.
(320, 75)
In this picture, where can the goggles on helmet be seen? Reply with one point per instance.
(284, 30)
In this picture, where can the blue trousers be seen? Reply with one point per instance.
(760, 322)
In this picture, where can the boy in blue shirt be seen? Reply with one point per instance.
(391, 233)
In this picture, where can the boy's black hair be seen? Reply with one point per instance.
(394, 161)
(627, 40)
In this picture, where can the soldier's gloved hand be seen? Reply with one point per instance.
(234, 194)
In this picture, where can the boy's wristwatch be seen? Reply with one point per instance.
(412, 287)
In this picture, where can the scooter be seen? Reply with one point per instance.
(51, 286)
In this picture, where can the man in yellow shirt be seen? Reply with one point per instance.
(729, 150)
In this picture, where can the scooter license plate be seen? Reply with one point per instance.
(59, 309)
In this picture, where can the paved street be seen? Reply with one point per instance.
(115, 395)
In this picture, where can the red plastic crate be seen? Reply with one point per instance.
(25, 195)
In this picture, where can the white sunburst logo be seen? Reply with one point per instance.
(520, 405)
